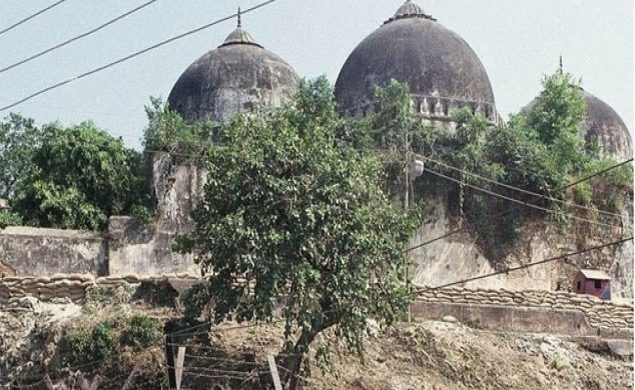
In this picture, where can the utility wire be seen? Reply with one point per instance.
(514, 200)
(455, 231)
(133, 55)
(560, 257)
(513, 188)
(40, 12)
(89, 32)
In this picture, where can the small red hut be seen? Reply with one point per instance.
(593, 282)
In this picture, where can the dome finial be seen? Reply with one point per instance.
(409, 9)
(240, 23)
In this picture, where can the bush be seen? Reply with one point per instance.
(89, 346)
(141, 332)
(9, 219)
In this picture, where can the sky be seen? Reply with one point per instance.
(517, 41)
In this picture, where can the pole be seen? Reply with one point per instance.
(169, 355)
(406, 208)
(274, 372)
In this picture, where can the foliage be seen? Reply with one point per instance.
(194, 301)
(141, 332)
(539, 150)
(9, 219)
(612, 187)
(558, 113)
(168, 132)
(18, 139)
(292, 215)
(84, 345)
(74, 177)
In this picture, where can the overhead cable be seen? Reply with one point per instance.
(513, 188)
(581, 180)
(40, 12)
(505, 271)
(514, 200)
(133, 55)
(76, 38)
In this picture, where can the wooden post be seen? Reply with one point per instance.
(84, 384)
(48, 383)
(169, 355)
(178, 368)
(274, 372)
(128, 382)
(96, 383)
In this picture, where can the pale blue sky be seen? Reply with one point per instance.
(518, 42)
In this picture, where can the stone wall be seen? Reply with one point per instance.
(42, 252)
(132, 248)
(531, 310)
(467, 254)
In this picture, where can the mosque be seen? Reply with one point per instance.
(444, 74)
(440, 67)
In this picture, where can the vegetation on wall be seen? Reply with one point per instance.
(168, 132)
(541, 150)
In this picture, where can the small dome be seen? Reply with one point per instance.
(239, 36)
(238, 76)
(441, 69)
(604, 126)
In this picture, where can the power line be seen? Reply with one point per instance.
(513, 188)
(560, 257)
(16, 24)
(78, 37)
(596, 174)
(455, 231)
(514, 200)
(133, 55)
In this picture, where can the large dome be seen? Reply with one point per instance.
(240, 75)
(441, 69)
(605, 127)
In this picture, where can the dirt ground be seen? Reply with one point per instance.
(422, 355)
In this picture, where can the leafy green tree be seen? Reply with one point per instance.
(293, 217)
(77, 178)
(19, 137)
(559, 110)
(168, 132)
(557, 118)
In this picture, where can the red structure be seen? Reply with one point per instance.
(593, 282)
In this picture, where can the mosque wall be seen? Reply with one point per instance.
(42, 252)
(133, 248)
(126, 248)
(466, 255)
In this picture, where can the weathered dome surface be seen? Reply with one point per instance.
(441, 69)
(605, 127)
(238, 76)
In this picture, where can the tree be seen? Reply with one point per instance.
(557, 119)
(77, 177)
(292, 216)
(19, 137)
(168, 132)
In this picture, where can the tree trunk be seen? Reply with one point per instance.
(293, 359)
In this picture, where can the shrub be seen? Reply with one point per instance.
(141, 332)
(91, 345)
(9, 219)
